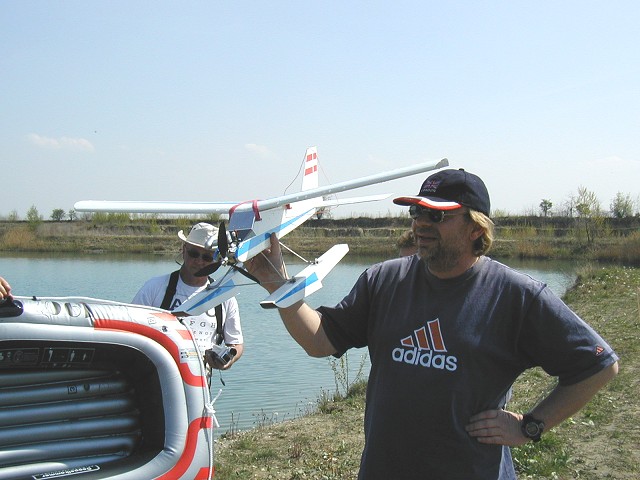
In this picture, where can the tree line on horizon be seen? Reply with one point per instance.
(583, 204)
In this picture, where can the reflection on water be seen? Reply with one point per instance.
(559, 275)
(275, 379)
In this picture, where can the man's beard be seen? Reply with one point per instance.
(440, 257)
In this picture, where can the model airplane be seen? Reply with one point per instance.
(251, 224)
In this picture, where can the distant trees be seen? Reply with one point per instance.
(586, 203)
(545, 206)
(584, 206)
(58, 214)
(589, 212)
(621, 206)
(33, 217)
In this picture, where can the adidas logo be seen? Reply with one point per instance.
(425, 348)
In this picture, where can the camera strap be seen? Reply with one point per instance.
(171, 291)
(219, 336)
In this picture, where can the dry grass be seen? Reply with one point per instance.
(20, 239)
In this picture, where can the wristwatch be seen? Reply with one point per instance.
(531, 427)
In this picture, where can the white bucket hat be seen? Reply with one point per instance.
(201, 235)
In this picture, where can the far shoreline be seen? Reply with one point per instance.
(614, 241)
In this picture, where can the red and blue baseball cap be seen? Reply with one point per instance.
(451, 189)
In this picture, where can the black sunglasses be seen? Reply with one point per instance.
(434, 216)
(207, 257)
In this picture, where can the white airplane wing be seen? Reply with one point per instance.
(334, 202)
(213, 295)
(132, 206)
(261, 205)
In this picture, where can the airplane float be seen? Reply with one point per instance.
(95, 389)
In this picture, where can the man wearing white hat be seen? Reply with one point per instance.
(170, 290)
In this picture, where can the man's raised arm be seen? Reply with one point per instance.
(302, 322)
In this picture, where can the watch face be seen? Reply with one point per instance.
(532, 429)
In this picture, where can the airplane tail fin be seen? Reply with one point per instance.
(310, 177)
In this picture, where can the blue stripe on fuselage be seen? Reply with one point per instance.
(253, 242)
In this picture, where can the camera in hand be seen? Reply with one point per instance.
(218, 355)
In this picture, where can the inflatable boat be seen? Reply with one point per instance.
(92, 389)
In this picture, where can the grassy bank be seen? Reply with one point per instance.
(599, 442)
(365, 237)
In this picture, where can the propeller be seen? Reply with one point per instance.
(223, 241)
(223, 251)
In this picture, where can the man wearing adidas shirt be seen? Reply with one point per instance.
(448, 332)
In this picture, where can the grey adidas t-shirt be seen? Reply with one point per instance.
(444, 350)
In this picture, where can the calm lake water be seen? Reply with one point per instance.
(274, 380)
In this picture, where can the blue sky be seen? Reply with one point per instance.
(213, 100)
